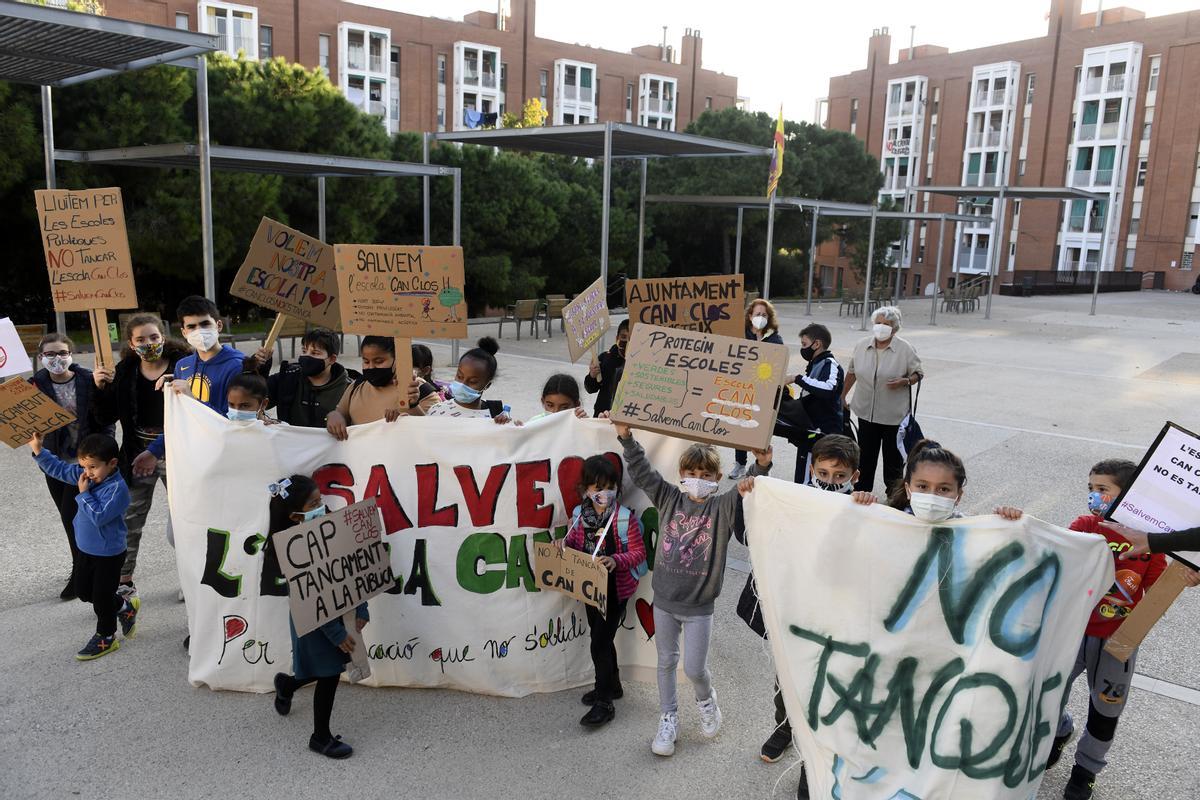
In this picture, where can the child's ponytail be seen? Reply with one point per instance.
(926, 451)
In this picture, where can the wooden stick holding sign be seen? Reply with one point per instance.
(276, 329)
(100, 336)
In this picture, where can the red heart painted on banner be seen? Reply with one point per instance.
(316, 298)
(235, 626)
(570, 469)
(645, 612)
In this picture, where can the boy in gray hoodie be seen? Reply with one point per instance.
(689, 566)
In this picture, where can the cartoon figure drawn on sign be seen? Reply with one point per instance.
(426, 307)
(450, 297)
(686, 540)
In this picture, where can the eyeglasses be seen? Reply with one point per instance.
(52, 354)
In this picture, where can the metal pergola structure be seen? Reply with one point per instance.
(606, 141)
(828, 208)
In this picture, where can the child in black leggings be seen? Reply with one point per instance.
(319, 656)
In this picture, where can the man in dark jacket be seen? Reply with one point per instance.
(304, 392)
(822, 380)
(605, 372)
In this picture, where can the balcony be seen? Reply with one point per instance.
(984, 139)
(356, 57)
(1075, 224)
(1092, 85)
(489, 80)
(1104, 177)
(980, 179)
(1081, 177)
(570, 92)
(377, 108)
(376, 63)
(656, 105)
(972, 259)
(1116, 83)
(992, 98)
(898, 147)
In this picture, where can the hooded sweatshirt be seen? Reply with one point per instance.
(689, 559)
(1133, 579)
(100, 521)
(208, 382)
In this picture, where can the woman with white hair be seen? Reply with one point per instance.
(881, 370)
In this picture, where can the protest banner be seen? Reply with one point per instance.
(700, 386)
(404, 291)
(290, 273)
(13, 358)
(586, 320)
(714, 304)
(919, 660)
(333, 564)
(573, 573)
(25, 411)
(87, 248)
(461, 502)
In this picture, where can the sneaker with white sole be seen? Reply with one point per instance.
(710, 715)
(664, 740)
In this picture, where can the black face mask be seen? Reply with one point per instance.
(621, 347)
(379, 377)
(311, 366)
(807, 353)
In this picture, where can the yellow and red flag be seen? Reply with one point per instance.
(776, 157)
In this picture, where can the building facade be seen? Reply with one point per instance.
(432, 74)
(1076, 107)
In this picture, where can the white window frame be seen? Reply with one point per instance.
(324, 40)
(202, 9)
(577, 107)
(656, 116)
(367, 74)
(488, 99)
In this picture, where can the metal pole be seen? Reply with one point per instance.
(994, 262)
(766, 285)
(906, 243)
(206, 212)
(737, 248)
(812, 258)
(1108, 210)
(604, 201)
(425, 190)
(456, 240)
(870, 263)
(937, 270)
(60, 319)
(321, 207)
(641, 219)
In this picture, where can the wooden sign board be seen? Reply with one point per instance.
(25, 411)
(714, 389)
(571, 572)
(1122, 644)
(13, 358)
(87, 248)
(586, 319)
(290, 273)
(715, 304)
(406, 291)
(333, 564)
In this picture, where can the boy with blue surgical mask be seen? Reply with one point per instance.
(247, 399)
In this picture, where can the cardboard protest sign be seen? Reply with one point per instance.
(713, 304)
(462, 507)
(13, 358)
(402, 290)
(919, 660)
(333, 564)
(1164, 494)
(25, 411)
(699, 386)
(571, 572)
(290, 273)
(586, 320)
(87, 248)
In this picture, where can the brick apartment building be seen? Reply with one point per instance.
(1108, 105)
(431, 74)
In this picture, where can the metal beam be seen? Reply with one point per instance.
(766, 284)
(60, 319)
(604, 201)
(994, 262)
(641, 220)
(321, 207)
(870, 265)
(737, 248)
(937, 271)
(812, 259)
(425, 189)
(202, 152)
(1104, 239)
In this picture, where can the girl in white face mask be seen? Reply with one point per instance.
(933, 486)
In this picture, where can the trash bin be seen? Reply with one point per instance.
(1027, 286)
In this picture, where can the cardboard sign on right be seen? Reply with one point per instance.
(716, 389)
(709, 304)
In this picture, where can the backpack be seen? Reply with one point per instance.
(909, 432)
(622, 524)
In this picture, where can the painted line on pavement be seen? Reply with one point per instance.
(1036, 432)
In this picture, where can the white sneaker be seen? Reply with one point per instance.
(738, 471)
(664, 741)
(710, 715)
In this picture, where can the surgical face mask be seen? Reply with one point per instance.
(56, 365)
(758, 321)
(841, 488)
(881, 331)
(463, 394)
(149, 352)
(1099, 503)
(931, 507)
(237, 415)
(807, 353)
(379, 377)
(603, 497)
(698, 487)
(203, 339)
(313, 513)
(311, 366)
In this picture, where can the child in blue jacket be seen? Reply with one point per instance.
(99, 533)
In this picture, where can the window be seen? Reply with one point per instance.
(629, 97)
(1143, 167)
(1146, 131)
(265, 49)
(394, 89)
(441, 70)
(181, 21)
(1194, 214)
(236, 27)
(937, 98)
(504, 76)
(543, 82)
(853, 115)
(394, 63)
(323, 52)
(1030, 83)
(1135, 218)
(1129, 252)
(1155, 64)
(707, 103)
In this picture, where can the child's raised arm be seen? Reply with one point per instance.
(644, 476)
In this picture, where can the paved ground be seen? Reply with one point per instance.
(1030, 399)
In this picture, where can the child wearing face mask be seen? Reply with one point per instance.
(126, 394)
(689, 567)
(377, 394)
(319, 656)
(247, 399)
(422, 358)
(610, 532)
(476, 371)
(761, 326)
(305, 392)
(605, 371)
(561, 393)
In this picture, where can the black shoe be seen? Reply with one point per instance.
(1056, 749)
(802, 789)
(1081, 784)
(590, 699)
(68, 592)
(283, 697)
(333, 748)
(778, 743)
(600, 714)
(127, 616)
(98, 646)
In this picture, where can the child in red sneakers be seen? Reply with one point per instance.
(100, 534)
